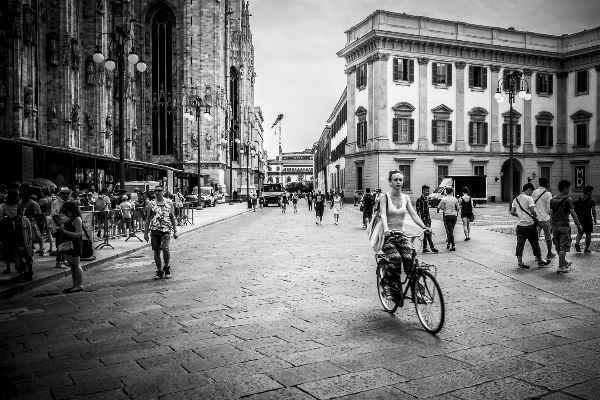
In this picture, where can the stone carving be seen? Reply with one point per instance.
(89, 72)
(174, 42)
(495, 68)
(75, 53)
(194, 139)
(148, 76)
(148, 110)
(527, 72)
(423, 60)
(148, 146)
(17, 16)
(597, 67)
(43, 12)
(66, 50)
(28, 100)
(89, 119)
(100, 6)
(101, 76)
(3, 97)
(29, 26)
(52, 115)
(460, 64)
(109, 78)
(75, 115)
(108, 126)
(134, 133)
(53, 49)
(147, 42)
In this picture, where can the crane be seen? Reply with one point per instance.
(278, 122)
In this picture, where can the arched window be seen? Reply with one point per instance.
(162, 27)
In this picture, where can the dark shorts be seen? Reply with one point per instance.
(561, 238)
(368, 214)
(588, 227)
(319, 212)
(160, 240)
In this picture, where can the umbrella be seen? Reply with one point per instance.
(41, 182)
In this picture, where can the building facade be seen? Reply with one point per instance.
(291, 167)
(60, 111)
(420, 98)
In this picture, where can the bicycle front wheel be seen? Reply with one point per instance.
(385, 297)
(429, 302)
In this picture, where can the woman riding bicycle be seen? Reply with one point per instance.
(393, 206)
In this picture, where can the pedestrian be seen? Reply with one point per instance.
(71, 240)
(398, 249)
(367, 203)
(295, 201)
(261, 201)
(126, 214)
(466, 212)
(541, 197)
(586, 212)
(45, 204)
(283, 201)
(356, 198)
(64, 193)
(336, 204)
(561, 206)
(101, 210)
(254, 201)
(523, 207)
(30, 209)
(160, 222)
(134, 195)
(422, 209)
(309, 200)
(8, 236)
(319, 206)
(450, 208)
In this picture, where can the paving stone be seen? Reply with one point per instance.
(105, 334)
(281, 394)
(43, 395)
(40, 364)
(254, 344)
(383, 393)
(202, 364)
(220, 391)
(246, 385)
(198, 340)
(559, 396)
(38, 385)
(115, 394)
(558, 354)
(173, 358)
(440, 384)
(424, 367)
(555, 377)
(586, 390)
(216, 350)
(580, 333)
(351, 383)
(321, 354)
(306, 373)
(86, 347)
(126, 348)
(534, 343)
(160, 381)
(87, 388)
(290, 348)
(478, 339)
(484, 354)
(136, 355)
(501, 389)
(504, 367)
(381, 358)
(591, 362)
(260, 366)
(116, 370)
(67, 367)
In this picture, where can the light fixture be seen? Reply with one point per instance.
(110, 64)
(98, 56)
(528, 96)
(522, 93)
(223, 140)
(141, 66)
(133, 57)
(237, 140)
(500, 100)
(186, 115)
(191, 115)
(498, 95)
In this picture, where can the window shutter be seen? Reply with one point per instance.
(485, 132)
(402, 69)
(395, 129)
(550, 83)
(364, 75)
(396, 69)
(357, 76)
(433, 131)
(585, 81)
(365, 132)
(411, 70)
(358, 135)
(538, 137)
(434, 73)
(484, 77)
(518, 135)
(471, 82)
(504, 135)
(538, 83)
(448, 74)
(550, 132)
(449, 130)
(411, 130)
(471, 138)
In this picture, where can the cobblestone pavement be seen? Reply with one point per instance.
(271, 306)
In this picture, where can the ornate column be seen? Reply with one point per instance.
(351, 146)
(15, 69)
(527, 141)
(597, 143)
(370, 103)
(423, 121)
(380, 124)
(494, 112)
(561, 112)
(460, 131)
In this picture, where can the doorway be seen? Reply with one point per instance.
(517, 184)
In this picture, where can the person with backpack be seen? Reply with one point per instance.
(562, 206)
(319, 206)
(367, 203)
(541, 198)
(101, 206)
(585, 208)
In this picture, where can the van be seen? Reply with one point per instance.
(477, 185)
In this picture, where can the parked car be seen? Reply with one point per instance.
(207, 196)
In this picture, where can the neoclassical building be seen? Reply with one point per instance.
(60, 111)
(290, 167)
(420, 98)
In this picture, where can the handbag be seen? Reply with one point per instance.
(87, 250)
(536, 222)
(375, 230)
(361, 207)
(472, 217)
(65, 246)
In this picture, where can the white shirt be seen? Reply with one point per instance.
(523, 217)
(542, 206)
(134, 197)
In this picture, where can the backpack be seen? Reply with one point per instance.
(100, 204)
(368, 201)
(581, 209)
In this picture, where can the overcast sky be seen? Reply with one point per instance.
(296, 41)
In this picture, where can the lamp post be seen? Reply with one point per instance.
(117, 47)
(512, 82)
(196, 105)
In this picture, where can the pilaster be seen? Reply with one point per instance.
(597, 142)
(460, 107)
(423, 121)
(561, 112)
(495, 146)
(527, 142)
(370, 127)
(351, 130)
(380, 123)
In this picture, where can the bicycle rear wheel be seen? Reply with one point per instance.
(429, 302)
(385, 297)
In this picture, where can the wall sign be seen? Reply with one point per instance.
(579, 177)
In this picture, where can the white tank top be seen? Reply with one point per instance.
(395, 216)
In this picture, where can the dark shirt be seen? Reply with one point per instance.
(319, 201)
(561, 212)
(422, 207)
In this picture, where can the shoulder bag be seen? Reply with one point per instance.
(87, 250)
(536, 222)
(375, 229)
(540, 196)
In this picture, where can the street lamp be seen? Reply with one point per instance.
(117, 47)
(512, 83)
(250, 150)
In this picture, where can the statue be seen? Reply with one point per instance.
(53, 49)
(108, 125)
(89, 70)
(28, 99)
(29, 26)
(134, 134)
(100, 6)
(148, 146)
(148, 76)
(101, 76)
(3, 96)
(194, 139)
(17, 14)
(109, 78)
(90, 123)
(148, 110)
(66, 50)
(52, 115)
(75, 115)
(43, 13)
(76, 53)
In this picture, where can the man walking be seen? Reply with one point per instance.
(422, 208)
(160, 222)
(58, 220)
(586, 212)
(523, 207)
(541, 197)
(319, 206)
(562, 206)
(367, 203)
(355, 197)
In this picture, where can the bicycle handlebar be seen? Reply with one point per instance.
(395, 232)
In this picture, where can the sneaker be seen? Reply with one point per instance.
(587, 251)
(167, 271)
(523, 266)
(577, 247)
(317, 222)
(453, 248)
(550, 256)
(467, 239)
(544, 263)
(435, 250)
(61, 266)
(565, 269)
(159, 275)
(425, 250)
(336, 223)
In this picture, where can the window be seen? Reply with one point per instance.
(359, 178)
(361, 76)
(443, 170)
(405, 169)
(479, 170)
(478, 77)
(516, 135)
(544, 136)
(544, 84)
(545, 173)
(581, 82)
(478, 133)
(581, 131)
(404, 70)
(361, 133)
(441, 131)
(403, 130)
(441, 74)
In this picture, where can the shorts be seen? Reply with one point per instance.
(545, 226)
(319, 212)
(588, 227)
(49, 222)
(160, 240)
(368, 214)
(561, 238)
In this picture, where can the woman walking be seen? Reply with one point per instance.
(254, 201)
(295, 201)
(336, 204)
(466, 212)
(450, 208)
(261, 200)
(284, 202)
(71, 239)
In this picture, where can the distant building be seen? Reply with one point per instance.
(291, 167)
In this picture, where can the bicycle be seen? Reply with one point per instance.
(426, 292)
